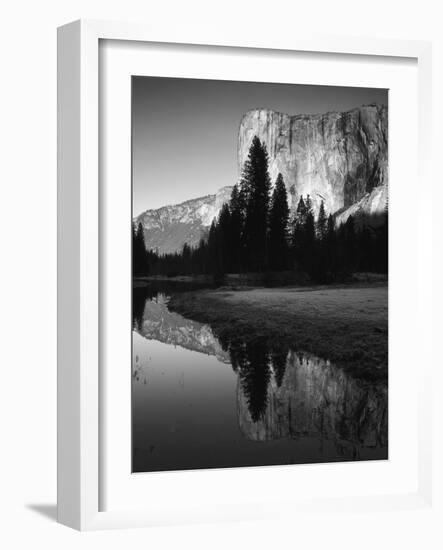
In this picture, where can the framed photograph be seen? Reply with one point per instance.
(232, 319)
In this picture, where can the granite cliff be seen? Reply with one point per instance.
(338, 157)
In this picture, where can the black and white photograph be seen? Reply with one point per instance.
(259, 274)
(233, 275)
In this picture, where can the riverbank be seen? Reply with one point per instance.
(346, 324)
(268, 279)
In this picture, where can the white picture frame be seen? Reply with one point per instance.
(80, 256)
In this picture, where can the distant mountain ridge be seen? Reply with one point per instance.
(168, 228)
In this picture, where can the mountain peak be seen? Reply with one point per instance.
(168, 228)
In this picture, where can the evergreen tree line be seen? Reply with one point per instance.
(254, 233)
(143, 261)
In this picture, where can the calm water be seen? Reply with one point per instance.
(201, 403)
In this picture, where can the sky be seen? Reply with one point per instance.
(184, 131)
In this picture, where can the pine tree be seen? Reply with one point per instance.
(382, 246)
(350, 244)
(255, 189)
(237, 209)
(297, 236)
(301, 212)
(224, 238)
(330, 228)
(365, 249)
(185, 260)
(278, 226)
(298, 224)
(134, 251)
(139, 254)
(309, 252)
(214, 251)
(321, 222)
(331, 248)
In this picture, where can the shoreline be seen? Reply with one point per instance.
(346, 324)
(286, 279)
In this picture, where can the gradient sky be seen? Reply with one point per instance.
(184, 131)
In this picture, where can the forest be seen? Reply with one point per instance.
(255, 233)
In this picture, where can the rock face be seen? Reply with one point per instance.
(316, 399)
(340, 158)
(168, 228)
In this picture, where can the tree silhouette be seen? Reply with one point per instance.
(321, 222)
(236, 242)
(138, 307)
(237, 209)
(304, 237)
(224, 238)
(215, 258)
(331, 249)
(310, 249)
(255, 188)
(350, 244)
(139, 253)
(278, 227)
(298, 227)
(255, 376)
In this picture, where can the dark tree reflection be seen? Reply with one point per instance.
(139, 297)
(252, 362)
(255, 379)
(255, 362)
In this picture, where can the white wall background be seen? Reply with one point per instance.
(28, 267)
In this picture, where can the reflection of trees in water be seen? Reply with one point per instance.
(255, 375)
(255, 362)
(139, 297)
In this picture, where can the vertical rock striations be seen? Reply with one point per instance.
(340, 158)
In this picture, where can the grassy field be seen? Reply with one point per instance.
(347, 325)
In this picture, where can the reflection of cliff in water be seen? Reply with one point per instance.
(153, 320)
(314, 399)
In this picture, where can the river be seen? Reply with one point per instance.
(198, 402)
